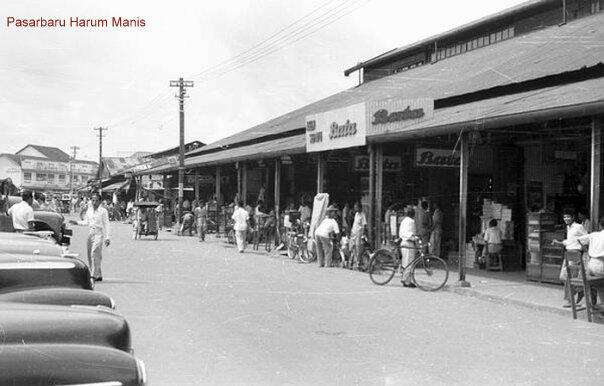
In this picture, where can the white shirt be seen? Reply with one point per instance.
(240, 216)
(360, 221)
(97, 221)
(327, 226)
(573, 232)
(21, 214)
(596, 243)
(407, 229)
(492, 235)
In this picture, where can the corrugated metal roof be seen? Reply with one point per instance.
(53, 153)
(545, 52)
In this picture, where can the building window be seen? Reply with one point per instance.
(51, 177)
(40, 177)
(62, 177)
(75, 178)
(27, 176)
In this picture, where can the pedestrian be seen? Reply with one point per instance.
(305, 212)
(160, 215)
(201, 216)
(241, 217)
(493, 241)
(97, 220)
(437, 230)
(22, 213)
(323, 237)
(423, 221)
(571, 244)
(346, 218)
(595, 265)
(187, 223)
(408, 234)
(584, 220)
(359, 227)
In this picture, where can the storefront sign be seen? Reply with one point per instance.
(50, 166)
(391, 115)
(436, 158)
(390, 163)
(336, 129)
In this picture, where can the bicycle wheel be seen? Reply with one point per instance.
(382, 267)
(307, 251)
(430, 273)
(364, 260)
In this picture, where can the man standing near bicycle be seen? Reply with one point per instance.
(407, 233)
(359, 227)
(323, 235)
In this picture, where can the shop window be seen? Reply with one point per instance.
(464, 47)
(457, 49)
(498, 36)
(62, 177)
(51, 177)
(511, 32)
(505, 34)
(27, 176)
(40, 177)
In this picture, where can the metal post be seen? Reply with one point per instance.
(371, 217)
(379, 178)
(196, 185)
(238, 166)
(320, 172)
(244, 182)
(463, 206)
(596, 170)
(218, 178)
(277, 197)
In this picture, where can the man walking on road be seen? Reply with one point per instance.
(22, 213)
(323, 234)
(241, 217)
(97, 219)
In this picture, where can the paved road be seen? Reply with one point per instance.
(204, 314)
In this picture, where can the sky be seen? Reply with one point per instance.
(250, 61)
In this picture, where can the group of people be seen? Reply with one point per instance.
(580, 239)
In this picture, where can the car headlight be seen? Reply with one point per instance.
(112, 303)
(141, 372)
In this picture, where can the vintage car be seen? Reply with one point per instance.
(44, 220)
(41, 279)
(69, 364)
(50, 324)
(28, 244)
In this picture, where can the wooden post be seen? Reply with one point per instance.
(277, 198)
(218, 180)
(244, 182)
(379, 178)
(463, 207)
(320, 172)
(197, 185)
(238, 166)
(596, 159)
(371, 211)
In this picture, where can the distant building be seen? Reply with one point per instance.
(44, 168)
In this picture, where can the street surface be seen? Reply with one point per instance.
(201, 313)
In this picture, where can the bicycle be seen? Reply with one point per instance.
(362, 262)
(297, 245)
(428, 272)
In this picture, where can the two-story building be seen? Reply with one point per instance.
(47, 169)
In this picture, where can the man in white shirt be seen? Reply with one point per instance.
(595, 266)
(22, 213)
(323, 234)
(574, 230)
(241, 217)
(97, 219)
(408, 234)
(357, 231)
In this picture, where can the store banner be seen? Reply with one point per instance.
(436, 158)
(392, 115)
(336, 129)
(390, 163)
(50, 166)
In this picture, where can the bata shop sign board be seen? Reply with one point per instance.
(436, 158)
(392, 115)
(336, 129)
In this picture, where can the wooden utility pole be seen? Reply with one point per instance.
(100, 135)
(74, 149)
(463, 206)
(181, 84)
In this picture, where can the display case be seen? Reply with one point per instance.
(542, 257)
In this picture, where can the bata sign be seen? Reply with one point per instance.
(336, 129)
(391, 115)
(436, 158)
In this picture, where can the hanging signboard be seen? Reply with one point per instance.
(392, 115)
(436, 158)
(336, 129)
(390, 163)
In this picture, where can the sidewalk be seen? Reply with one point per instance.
(513, 288)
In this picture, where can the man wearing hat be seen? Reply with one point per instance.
(323, 234)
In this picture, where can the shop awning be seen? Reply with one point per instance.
(575, 99)
(545, 52)
(115, 186)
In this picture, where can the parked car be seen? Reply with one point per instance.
(44, 220)
(28, 244)
(48, 324)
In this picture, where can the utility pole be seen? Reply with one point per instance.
(100, 135)
(74, 149)
(181, 84)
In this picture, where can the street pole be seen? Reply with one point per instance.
(100, 135)
(74, 149)
(181, 84)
